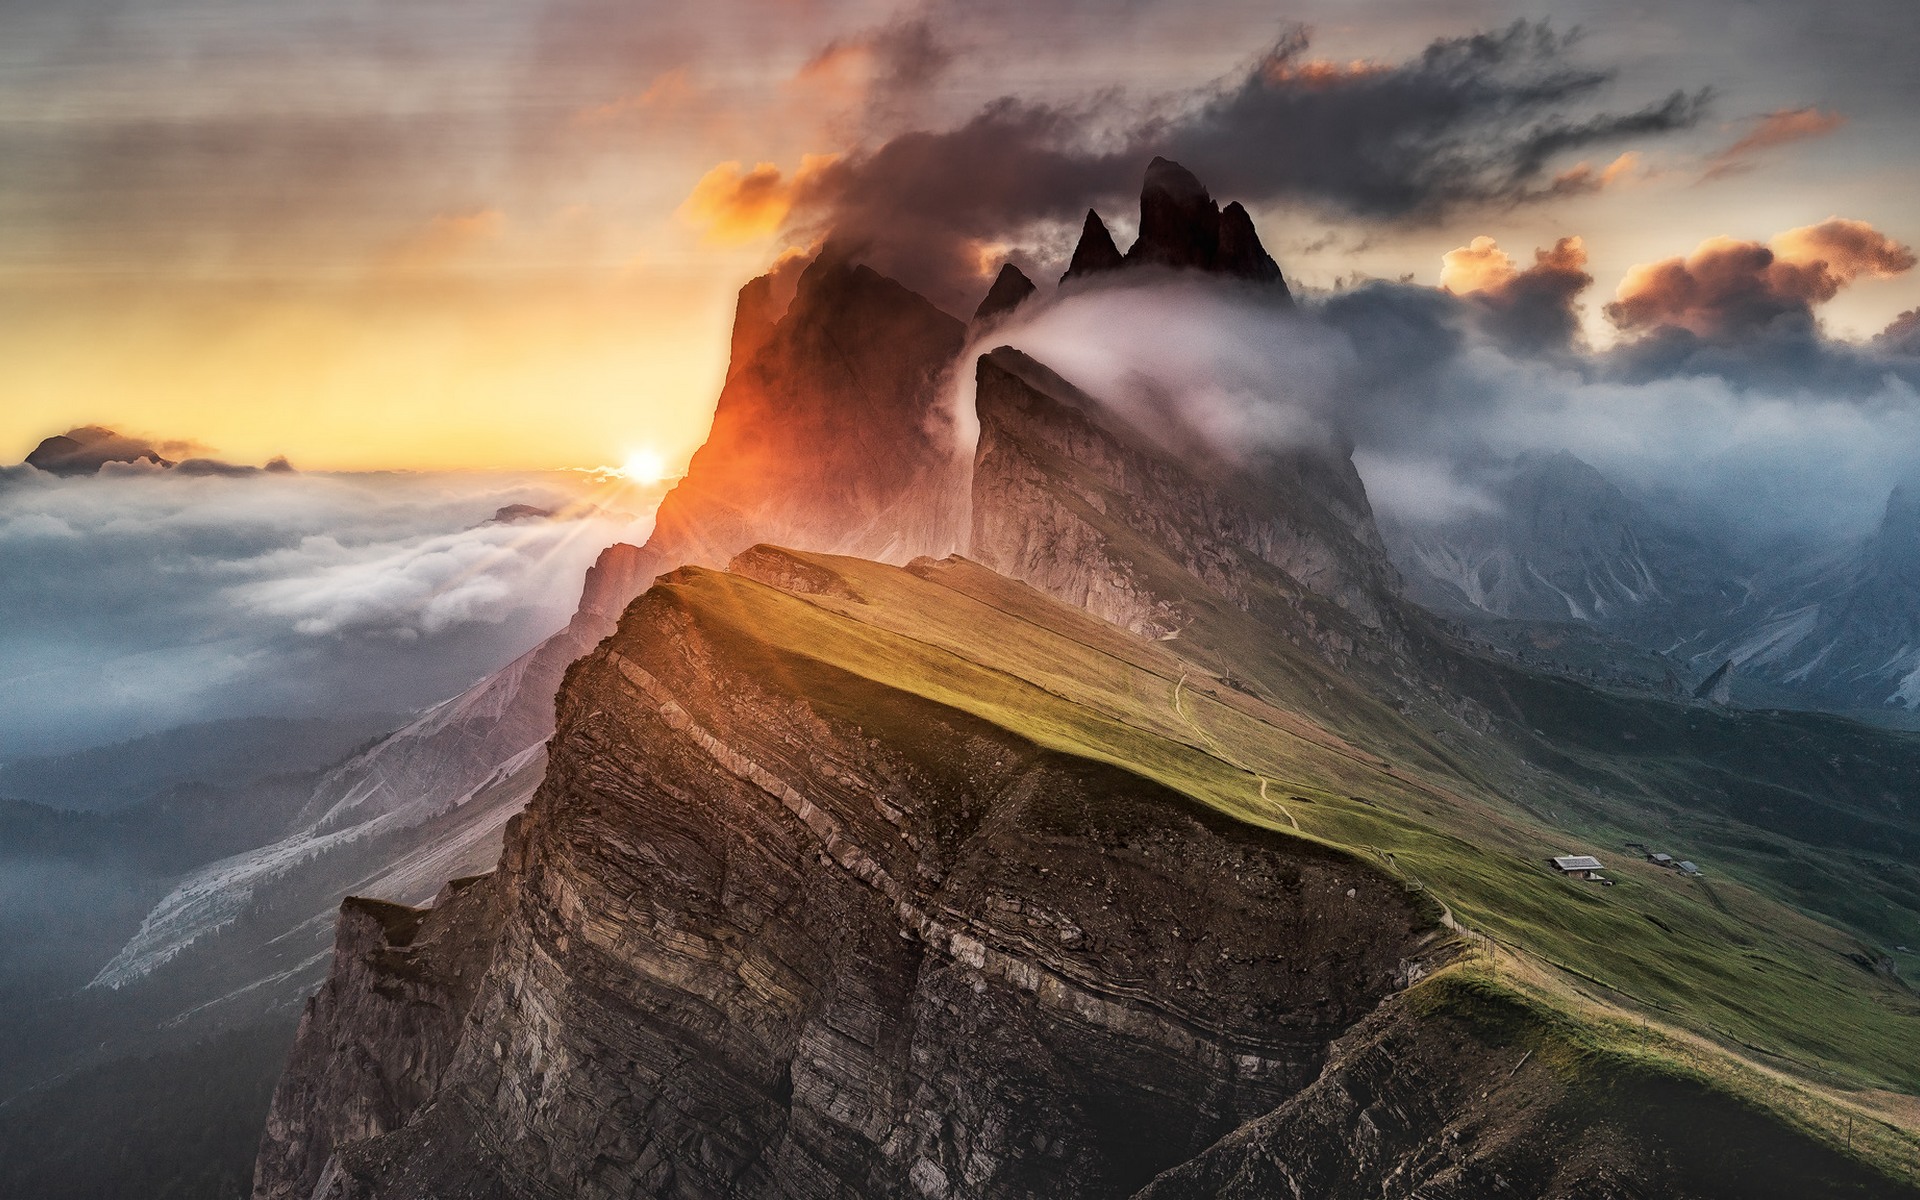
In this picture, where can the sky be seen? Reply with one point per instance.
(507, 235)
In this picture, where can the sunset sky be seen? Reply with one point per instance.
(508, 235)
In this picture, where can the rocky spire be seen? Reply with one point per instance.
(1096, 251)
(1240, 252)
(1181, 227)
(1179, 222)
(1009, 289)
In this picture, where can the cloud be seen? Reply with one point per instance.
(1469, 123)
(669, 90)
(1431, 391)
(1584, 177)
(879, 67)
(135, 600)
(732, 204)
(1531, 310)
(1727, 288)
(1778, 128)
(1902, 334)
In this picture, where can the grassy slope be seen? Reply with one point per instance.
(1720, 958)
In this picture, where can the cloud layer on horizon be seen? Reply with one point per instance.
(139, 598)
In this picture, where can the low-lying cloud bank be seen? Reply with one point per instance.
(1723, 397)
(138, 599)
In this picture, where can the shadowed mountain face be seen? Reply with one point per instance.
(1051, 483)
(1561, 545)
(1182, 228)
(1841, 632)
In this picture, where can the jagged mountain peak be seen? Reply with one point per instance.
(1095, 252)
(1182, 227)
(1010, 289)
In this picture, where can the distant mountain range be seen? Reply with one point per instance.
(1837, 628)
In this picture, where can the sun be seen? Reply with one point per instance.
(644, 466)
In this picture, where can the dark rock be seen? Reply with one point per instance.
(1009, 289)
(1464, 1093)
(1182, 228)
(1717, 687)
(1240, 252)
(1095, 251)
(1179, 222)
(511, 513)
(85, 450)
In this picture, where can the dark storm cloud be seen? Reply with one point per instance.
(1470, 123)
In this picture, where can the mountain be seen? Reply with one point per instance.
(1292, 528)
(1562, 546)
(1181, 227)
(85, 450)
(832, 435)
(1841, 631)
(1157, 846)
(1560, 542)
(1010, 289)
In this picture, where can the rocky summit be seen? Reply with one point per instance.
(1181, 227)
(1097, 819)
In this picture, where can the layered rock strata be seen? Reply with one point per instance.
(770, 929)
(1080, 508)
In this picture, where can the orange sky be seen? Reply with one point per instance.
(455, 236)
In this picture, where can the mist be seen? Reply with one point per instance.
(1430, 394)
(139, 599)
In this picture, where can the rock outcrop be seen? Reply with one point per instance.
(1458, 1091)
(377, 1037)
(1181, 228)
(1094, 516)
(1010, 288)
(771, 929)
(85, 450)
(830, 436)
(1095, 251)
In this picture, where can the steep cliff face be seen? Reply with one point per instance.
(377, 1037)
(829, 435)
(1457, 1092)
(1088, 514)
(772, 929)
